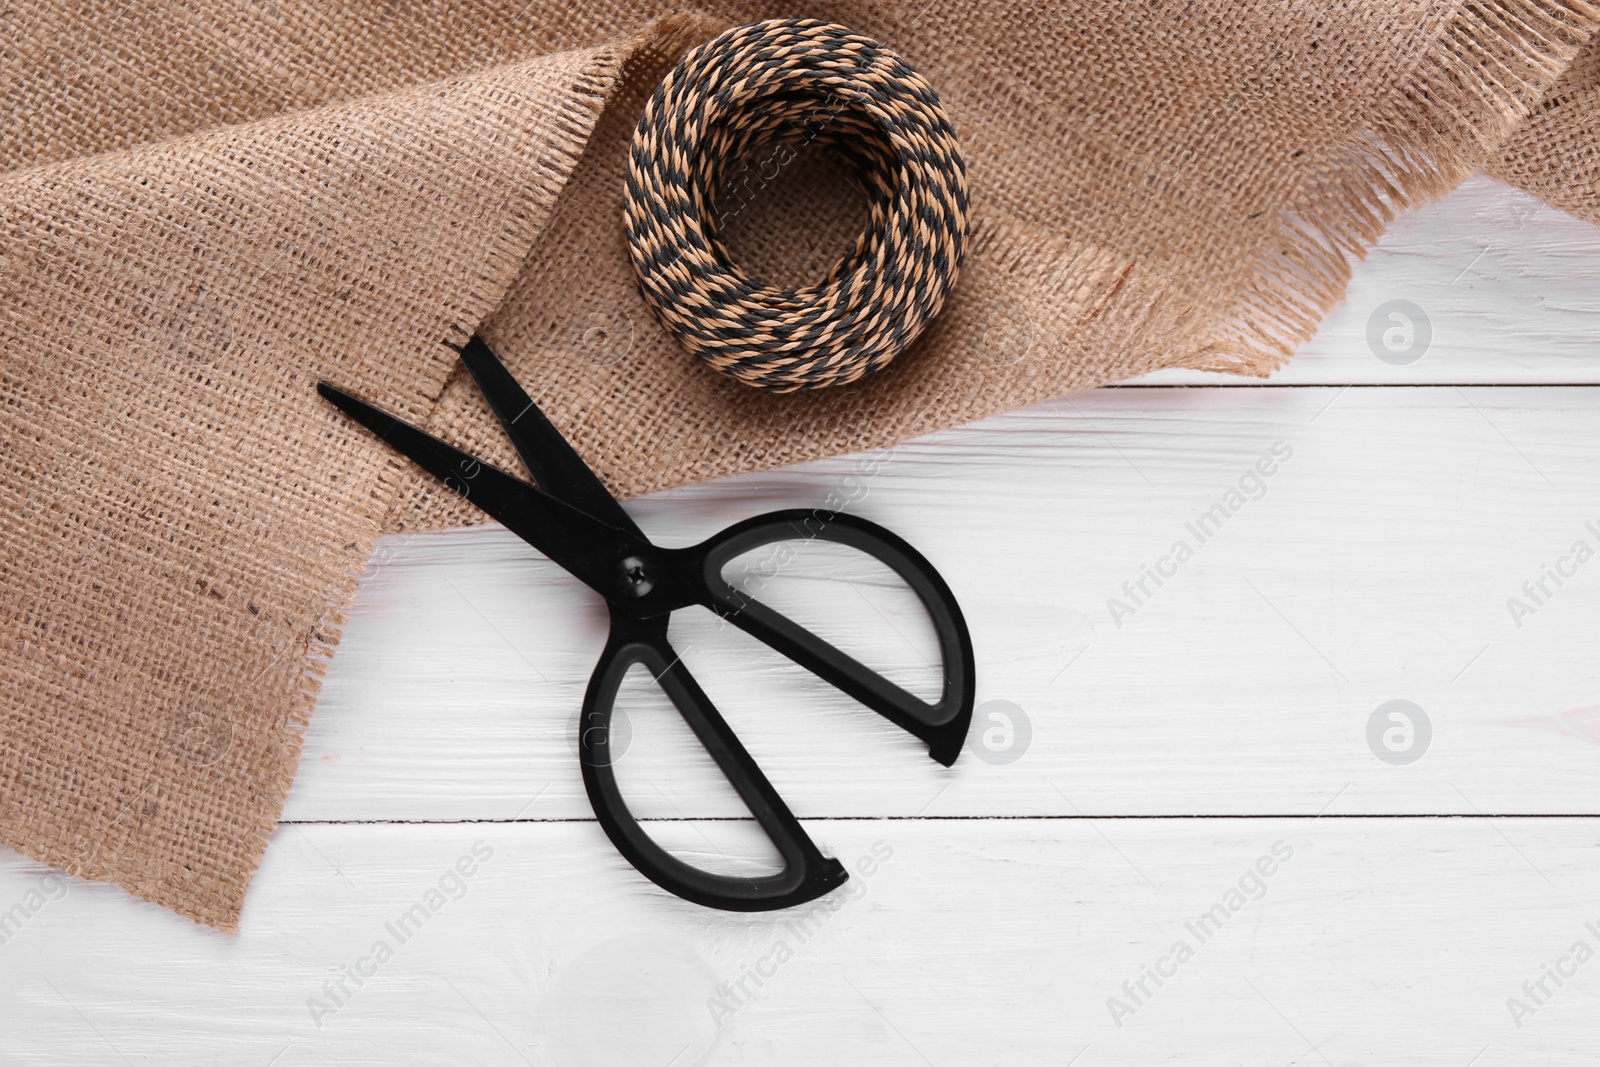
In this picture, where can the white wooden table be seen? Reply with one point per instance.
(1189, 854)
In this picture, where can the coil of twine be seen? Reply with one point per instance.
(796, 81)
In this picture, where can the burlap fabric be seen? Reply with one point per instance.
(206, 206)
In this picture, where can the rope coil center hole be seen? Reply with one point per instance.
(788, 216)
(730, 121)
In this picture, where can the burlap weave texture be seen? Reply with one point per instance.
(205, 206)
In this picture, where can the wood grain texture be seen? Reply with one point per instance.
(1510, 287)
(1376, 563)
(1173, 744)
(1372, 941)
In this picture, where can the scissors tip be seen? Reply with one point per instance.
(351, 405)
(330, 392)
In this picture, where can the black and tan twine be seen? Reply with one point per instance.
(786, 83)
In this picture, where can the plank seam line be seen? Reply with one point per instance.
(958, 818)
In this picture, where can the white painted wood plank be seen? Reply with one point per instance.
(1372, 941)
(1377, 566)
(1508, 290)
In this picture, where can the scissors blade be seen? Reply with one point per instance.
(585, 546)
(549, 457)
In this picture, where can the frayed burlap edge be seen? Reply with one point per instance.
(90, 846)
(1473, 87)
(501, 262)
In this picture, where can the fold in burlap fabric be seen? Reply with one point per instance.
(206, 206)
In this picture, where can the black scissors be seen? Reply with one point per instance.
(575, 521)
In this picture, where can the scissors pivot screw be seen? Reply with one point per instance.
(569, 516)
(634, 578)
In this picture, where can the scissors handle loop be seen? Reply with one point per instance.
(636, 641)
(807, 873)
(943, 723)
